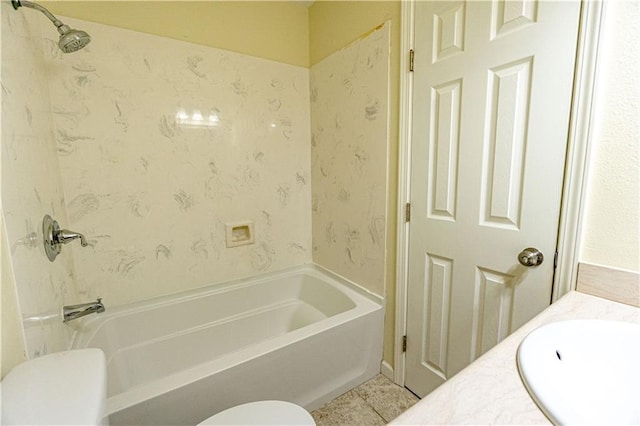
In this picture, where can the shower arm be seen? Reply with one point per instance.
(17, 3)
(71, 40)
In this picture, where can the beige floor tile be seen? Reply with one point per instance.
(387, 399)
(348, 409)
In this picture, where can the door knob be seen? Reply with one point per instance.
(530, 257)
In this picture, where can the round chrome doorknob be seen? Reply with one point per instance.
(530, 257)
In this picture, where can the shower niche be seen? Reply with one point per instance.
(240, 234)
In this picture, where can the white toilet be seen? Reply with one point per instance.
(70, 388)
(262, 413)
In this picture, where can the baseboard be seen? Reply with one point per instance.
(386, 370)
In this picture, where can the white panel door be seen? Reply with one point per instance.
(491, 103)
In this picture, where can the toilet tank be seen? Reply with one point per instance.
(60, 388)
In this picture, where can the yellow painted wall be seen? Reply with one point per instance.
(332, 26)
(611, 227)
(335, 24)
(276, 30)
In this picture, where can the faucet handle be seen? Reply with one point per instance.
(54, 237)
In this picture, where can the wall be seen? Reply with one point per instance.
(31, 187)
(152, 185)
(276, 30)
(611, 227)
(349, 139)
(332, 26)
(13, 349)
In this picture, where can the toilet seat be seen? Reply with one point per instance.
(262, 413)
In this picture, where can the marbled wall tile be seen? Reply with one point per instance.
(161, 143)
(349, 140)
(31, 185)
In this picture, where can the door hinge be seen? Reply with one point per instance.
(404, 343)
(407, 212)
(555, 260)
(412, 55)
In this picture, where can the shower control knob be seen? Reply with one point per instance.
(54, 237)
(530, 257)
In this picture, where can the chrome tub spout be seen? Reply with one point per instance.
(72, 312)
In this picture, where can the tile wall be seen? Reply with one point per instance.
(161, 144)
(349, 142)
(31, 185)
(151, 147)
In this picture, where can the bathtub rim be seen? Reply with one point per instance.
(86, 324)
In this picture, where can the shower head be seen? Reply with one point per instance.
(70, 39)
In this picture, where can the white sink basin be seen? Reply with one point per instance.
(584, 371)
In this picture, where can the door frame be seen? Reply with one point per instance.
(574, 185)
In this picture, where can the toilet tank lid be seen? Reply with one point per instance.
(67, 387)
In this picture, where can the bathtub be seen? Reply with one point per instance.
(302, 335)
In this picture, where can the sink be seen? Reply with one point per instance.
(584, 371)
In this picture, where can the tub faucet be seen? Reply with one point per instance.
(64, 236)
(72, 312)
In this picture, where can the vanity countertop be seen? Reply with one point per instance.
(489, 391)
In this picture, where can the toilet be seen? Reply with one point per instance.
(262, 413)
(70, 388)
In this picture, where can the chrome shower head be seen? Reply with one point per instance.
(70, 39)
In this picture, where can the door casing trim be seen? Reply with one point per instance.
(574, 185)
(404, 156)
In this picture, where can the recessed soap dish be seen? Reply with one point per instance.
(240, 234)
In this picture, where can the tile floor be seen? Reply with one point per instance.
(375, 402)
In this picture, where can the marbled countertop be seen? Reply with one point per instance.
(489, 391)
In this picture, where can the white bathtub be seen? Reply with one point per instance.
(303, 335)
